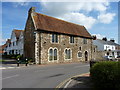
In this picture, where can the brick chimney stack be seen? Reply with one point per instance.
(94, 37)
(105, 39)
(112, 40)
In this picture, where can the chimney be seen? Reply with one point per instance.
(112, 40)
(94, 37)
(105, 39)
(31, 10)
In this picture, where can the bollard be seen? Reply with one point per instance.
(26, 62)
(18, 62)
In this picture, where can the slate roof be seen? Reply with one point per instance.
(51, 24)
(107, 42)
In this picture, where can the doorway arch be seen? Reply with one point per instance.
(86, 56)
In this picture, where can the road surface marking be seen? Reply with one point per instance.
(67, 84)
(10, 76)
(80, 66)
(8, 67)
(65, 81)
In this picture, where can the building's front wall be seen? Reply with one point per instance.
(63, 43)
(29, 39)
(20, 44)
(109, 47)
(16, 45)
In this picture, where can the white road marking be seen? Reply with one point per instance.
(80, 66)
(8, 67)
(10, 77)
(67, 84)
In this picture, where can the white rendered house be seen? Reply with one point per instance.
(15, 45)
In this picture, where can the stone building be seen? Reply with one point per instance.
(49, 40)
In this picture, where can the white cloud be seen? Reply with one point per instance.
(80, 18)
(2, 41)
(71, 11)
(16, 4)
(60, 8)
(106, 18)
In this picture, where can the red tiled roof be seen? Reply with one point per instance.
(2, 47)
(17, 33)
(47, 23)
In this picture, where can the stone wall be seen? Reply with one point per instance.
(63, 42)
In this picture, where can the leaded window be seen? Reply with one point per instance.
(67, 54)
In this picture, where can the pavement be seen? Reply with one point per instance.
(41, 76)
(11, 66)
(81, 81)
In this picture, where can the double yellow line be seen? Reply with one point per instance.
(65, 81)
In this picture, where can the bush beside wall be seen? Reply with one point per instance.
(106, 74)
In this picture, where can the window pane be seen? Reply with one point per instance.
(84, 41)
(53, 38)
(55, 54)
(50, 54)
(66, 54)
(79, 54)
(69, 54)
(56, 38)
(71, 39)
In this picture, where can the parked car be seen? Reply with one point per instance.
(111, 58)
(118, 58)
(105, 58)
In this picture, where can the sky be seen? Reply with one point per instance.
(99, 18)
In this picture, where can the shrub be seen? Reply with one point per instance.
(106, 74)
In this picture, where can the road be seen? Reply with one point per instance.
(39, 76)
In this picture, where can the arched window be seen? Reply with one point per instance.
(67, 54)
(79, 54)
(50, 54)
(55, 54)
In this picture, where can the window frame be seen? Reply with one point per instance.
(66, 54)
(85, 41)
(54, 38)
(50, 55)
(78, 53)
(53, 58)
(71, 39)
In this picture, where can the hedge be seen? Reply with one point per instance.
(106, 74)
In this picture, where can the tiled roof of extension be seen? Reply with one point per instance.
(17, 33)
(51, 24)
